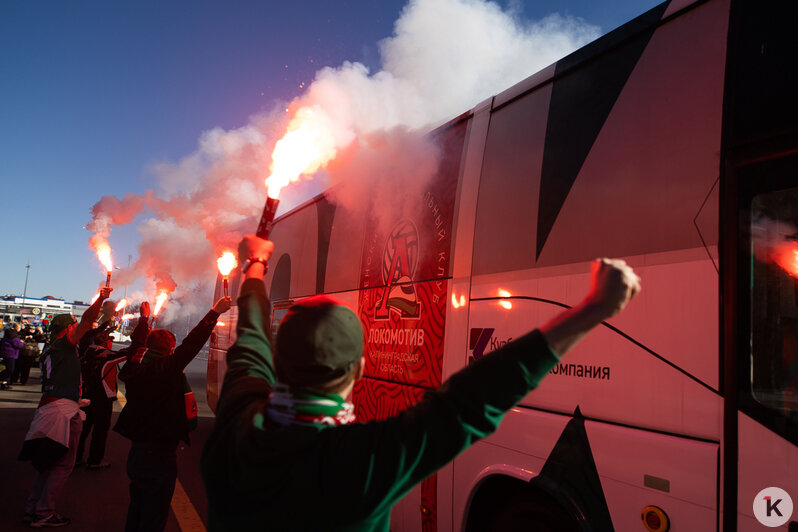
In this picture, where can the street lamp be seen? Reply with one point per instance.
(25, 292)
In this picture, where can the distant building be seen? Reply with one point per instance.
(15, 308)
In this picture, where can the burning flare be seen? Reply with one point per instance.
(226, 263)
(122, 304)
(159, 302)
(308, 145)
(104, 255)
(128, 317)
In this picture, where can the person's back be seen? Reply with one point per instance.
(160, 411)
(154, 394)
(284, 454)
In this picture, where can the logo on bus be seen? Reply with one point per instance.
(772, 507)
(478, 342)
(399, 263)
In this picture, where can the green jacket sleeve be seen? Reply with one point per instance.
(250, 367)
(382, 461)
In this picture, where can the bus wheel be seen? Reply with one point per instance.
(538, 511)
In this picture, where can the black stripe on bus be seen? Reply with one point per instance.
(615, 330)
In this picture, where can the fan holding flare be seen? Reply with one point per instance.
(160, 412)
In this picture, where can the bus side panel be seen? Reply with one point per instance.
(296, 237)
(607, 376)
(345, 250)
(673, 473)
(647, 189)
(405, 269)
(765, 460)
(656, 157)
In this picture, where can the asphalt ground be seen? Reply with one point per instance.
(97, 500)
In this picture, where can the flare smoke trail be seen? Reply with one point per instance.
(443, 58)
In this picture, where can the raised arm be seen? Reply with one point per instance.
(403, 450)
(250, 368)
(89, 317)
(194, 341)
(612, 285)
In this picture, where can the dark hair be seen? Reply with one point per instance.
(335, 385)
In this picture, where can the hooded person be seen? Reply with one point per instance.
(52, 439)
(286, 453)
(159, 413)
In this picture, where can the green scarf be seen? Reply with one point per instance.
(145, 355)
(291, 406)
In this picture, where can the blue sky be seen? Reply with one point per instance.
(94, 93)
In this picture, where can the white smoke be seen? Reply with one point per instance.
(444, 57)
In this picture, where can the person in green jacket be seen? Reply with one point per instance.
(285, 452)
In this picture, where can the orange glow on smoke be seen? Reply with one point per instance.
(503, 303)
(786, 256)
(122, 304)
(128, 317)
(159, 302)
(220, 324)
(104, 255)
(226, 263)
(308, 145)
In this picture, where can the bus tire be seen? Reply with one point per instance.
(509, 504)
(538, 512)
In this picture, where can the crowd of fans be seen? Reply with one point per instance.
(276, 399)
(20, 348)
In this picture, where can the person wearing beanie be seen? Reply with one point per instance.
(160, 412)
(286, 453)
(52, 439)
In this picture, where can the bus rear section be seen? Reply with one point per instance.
(660, 144)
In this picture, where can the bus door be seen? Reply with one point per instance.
(767, 345)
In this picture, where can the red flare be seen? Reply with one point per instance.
(159, 303)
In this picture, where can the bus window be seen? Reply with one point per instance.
(279, 312)
(774, 301)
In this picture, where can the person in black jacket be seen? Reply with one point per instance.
(98, 367)
(29, 354)
(160, 412)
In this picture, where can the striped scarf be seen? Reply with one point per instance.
(290, 406)
(145, 355)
